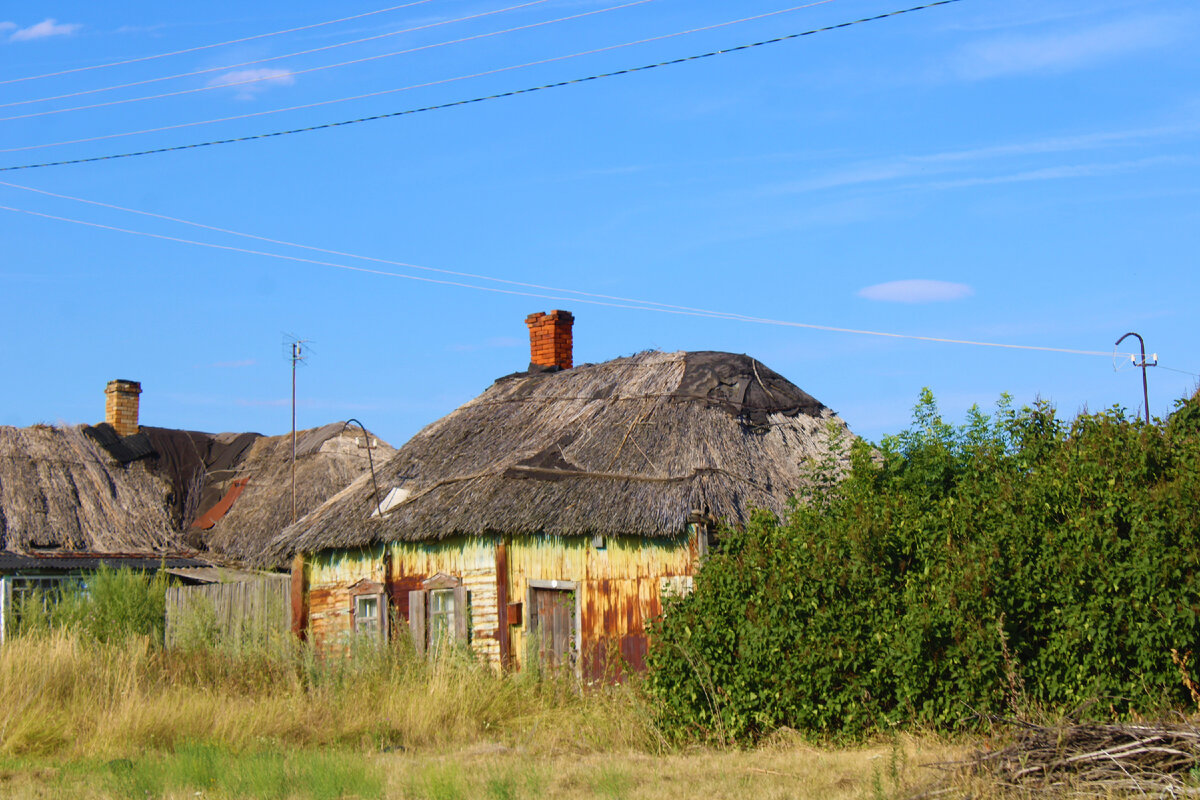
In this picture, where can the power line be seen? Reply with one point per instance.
(213, 87)
(210, 46)
(511, 93)
(425, 85)
(582, 297)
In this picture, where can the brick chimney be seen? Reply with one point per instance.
(121, 406)
(550, 339)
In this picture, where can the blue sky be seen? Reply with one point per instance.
(1022, 172)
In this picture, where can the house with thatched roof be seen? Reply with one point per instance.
(546, 518)
(131, 496)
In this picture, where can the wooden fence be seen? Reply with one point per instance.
(241, 614)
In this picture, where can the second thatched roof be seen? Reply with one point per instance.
(634, 446)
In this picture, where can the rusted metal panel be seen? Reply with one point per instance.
(213, 515)
(299, 599)
(502, 602)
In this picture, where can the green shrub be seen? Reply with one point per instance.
(108, 605)
(1011, 563)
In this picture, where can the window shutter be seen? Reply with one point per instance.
(416, 619)
(460, 613)
(384, 617)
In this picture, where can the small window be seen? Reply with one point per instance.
(438, 614)
(366, 614)
(368, 605)
(441, 616)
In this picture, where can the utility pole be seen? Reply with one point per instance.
(1143, 364)
(297, 355)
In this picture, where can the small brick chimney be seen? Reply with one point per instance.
(550, 339)
(121, 406)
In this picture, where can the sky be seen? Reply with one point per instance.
(1023, 173)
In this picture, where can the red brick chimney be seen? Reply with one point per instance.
(550, 339)
(121, 406)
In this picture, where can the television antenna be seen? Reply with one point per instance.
(298, 350)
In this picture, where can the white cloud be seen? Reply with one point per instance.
(1008, 55)
(916, 291)
(250, 82)
(46, 28)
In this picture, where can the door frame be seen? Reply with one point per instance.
(531, 612)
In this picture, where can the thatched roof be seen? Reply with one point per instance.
(636, 445)
(327, 460)
(60, 490)
(86, 489)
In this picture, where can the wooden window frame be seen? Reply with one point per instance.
(531, 611)
(375, 589)
(419, 610)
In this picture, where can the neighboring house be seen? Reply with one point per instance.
(546, 518)
(138, 497)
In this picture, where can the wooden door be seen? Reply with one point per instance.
(554, 611)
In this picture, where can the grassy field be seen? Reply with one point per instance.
(129, 720)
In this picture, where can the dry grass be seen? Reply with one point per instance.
(791, 771)
(84, 719)
(62, 694)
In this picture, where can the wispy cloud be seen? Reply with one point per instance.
(931, 165)
(249, 83)
(916, 291)
(245, 362)
(1065, 172)
(42, 30)
(1059, 52)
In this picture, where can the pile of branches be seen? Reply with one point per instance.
(1092, 760)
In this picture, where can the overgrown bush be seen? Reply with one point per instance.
(109, 604)
(1011, 563)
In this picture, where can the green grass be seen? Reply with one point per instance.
(210, 771)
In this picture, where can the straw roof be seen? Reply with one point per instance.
(636, 445)
(60, 490)
(86, 489)
(327, 460)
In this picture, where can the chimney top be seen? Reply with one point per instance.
(550, 340)
(121, 405)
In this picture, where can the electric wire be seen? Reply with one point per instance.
(327, 251)
(211, 46)
(497, 96)
(410, 87)
(210, 87)
(637, 305)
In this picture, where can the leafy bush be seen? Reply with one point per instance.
(1010, 563)
(109, 604)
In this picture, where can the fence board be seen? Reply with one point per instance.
(236, 614)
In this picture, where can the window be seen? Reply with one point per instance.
(366, 614)
(438, 614)
(441, 616)
(368, 606)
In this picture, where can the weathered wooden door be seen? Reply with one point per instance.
(554, 611)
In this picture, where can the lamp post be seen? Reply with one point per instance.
(1143, 365)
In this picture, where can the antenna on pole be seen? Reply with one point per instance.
(297, 353)
(1143, 364)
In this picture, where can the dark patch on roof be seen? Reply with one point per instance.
(124, 449)
(744, 388)
(66, 562)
